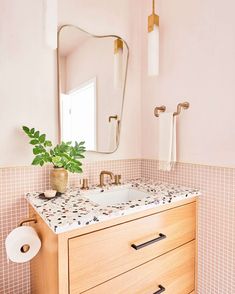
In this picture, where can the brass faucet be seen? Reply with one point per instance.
(102, 174)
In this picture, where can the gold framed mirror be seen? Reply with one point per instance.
(92, 76)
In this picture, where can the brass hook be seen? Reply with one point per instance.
(184, 105)
(159, 109)
(113, 117)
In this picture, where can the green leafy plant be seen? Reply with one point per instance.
(63, 155)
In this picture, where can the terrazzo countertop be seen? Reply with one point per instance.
(73, 210)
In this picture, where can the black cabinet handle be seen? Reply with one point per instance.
(137, 247)
(161, 290)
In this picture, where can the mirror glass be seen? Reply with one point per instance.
(92, 78)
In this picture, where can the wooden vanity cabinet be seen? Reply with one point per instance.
(144, 253)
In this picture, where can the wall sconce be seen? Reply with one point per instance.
(153, 43)
(118, 58)
(50, 23)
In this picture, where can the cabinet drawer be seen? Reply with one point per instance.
(97, 257)
(173, 271)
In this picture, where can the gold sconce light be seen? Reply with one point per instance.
(118, 57)
(153, 42)
(118, 45)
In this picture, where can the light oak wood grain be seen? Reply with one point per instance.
(63, 265)
(173, 270)
(102, 255)
(44, 267)
(50, 269)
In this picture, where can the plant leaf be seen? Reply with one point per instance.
(57, 161)
(42, 138)
(37, 150)
(36, 160)
(25, 129)
(80, 156)
(47, 144)
(36, 134)
(62, 155)
(33, 142)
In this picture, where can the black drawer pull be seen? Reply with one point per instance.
(161, 290)
(137, 247)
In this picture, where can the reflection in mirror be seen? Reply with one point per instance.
(92, 78)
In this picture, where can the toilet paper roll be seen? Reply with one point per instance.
(22, 244)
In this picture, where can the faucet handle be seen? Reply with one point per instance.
(117, 179)
(85, 185)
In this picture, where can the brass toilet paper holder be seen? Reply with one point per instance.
(25, 248)
(27, 220)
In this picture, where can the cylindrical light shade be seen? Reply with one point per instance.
(118, 60)
(51, 21)
(153, 51)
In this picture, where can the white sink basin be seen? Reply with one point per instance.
(116, 196)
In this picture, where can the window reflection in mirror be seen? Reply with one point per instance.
(92, 76)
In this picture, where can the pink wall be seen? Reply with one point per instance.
(27, 87)
(197, 64)
(197, 45)
(28, 71)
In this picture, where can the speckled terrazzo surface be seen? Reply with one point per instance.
(73, 210)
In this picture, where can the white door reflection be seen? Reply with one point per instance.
(78, 115)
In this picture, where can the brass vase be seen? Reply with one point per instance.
(59, 179)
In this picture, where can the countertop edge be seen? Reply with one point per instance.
(117, 219)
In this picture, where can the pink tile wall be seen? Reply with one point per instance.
(128, 168)
(14, 182)
(216, 215)
(216, 221)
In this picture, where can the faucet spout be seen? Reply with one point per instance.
(102, 174)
